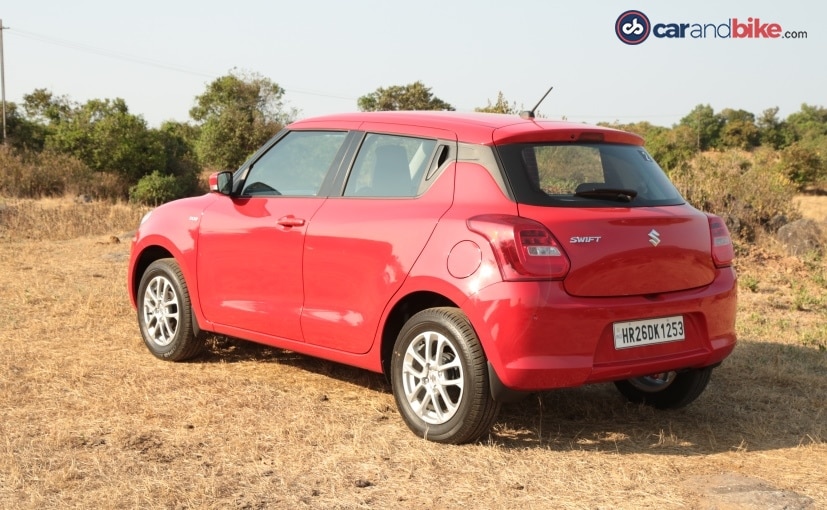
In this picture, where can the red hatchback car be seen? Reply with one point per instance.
(469, 257)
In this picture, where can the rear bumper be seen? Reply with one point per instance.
(538, 337)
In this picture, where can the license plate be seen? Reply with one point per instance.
(648, 332)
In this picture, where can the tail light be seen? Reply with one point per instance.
(525, 249)
(722, 252)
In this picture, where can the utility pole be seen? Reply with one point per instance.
(3, 80)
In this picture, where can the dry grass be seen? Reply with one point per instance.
(813, 207)
(89, 419)
(60, 219)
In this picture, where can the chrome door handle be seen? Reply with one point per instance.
(290, 221)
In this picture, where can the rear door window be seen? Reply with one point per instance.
(586, 175)
(389, 166)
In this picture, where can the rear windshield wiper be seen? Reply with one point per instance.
(618, 194)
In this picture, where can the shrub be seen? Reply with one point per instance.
(802, 165)
(42, 174)
(155, 189)
(748, 190)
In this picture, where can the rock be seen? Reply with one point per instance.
(801, 237)
(777, 221)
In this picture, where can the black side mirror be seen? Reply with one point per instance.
(221, 182)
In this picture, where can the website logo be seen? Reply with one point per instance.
(632, 27)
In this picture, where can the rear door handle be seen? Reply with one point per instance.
(290, 221)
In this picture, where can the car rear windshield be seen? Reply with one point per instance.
(586, 175)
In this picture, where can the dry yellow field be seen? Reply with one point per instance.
(89, 419)
(813, 207)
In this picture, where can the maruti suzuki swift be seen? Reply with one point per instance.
(471, 258)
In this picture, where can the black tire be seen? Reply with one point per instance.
(670, 390)
(165, 313)
(448, 405)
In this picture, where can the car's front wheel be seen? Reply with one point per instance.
(667, 390)
(165, 313)
(439, 376)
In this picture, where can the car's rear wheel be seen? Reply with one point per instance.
(165, 313)
(440, 378)
(666, 390)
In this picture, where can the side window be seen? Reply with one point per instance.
(389, 166)
(295, 166)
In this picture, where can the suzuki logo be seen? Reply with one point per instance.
(654, 237)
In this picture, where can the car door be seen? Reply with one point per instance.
(362, 245)
(250, 245)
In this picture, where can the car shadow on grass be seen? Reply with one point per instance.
(231, 350)
(765, 396)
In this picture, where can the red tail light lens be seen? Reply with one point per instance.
(525, 249)
(722, 252)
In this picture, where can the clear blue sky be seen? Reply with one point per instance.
(159, 55)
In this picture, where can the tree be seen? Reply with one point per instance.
(43, 107)
(809, 123)
(30, 123)
(739, 130)
(802, 165)
(22, 133)
(236, 114)
(414, 96)
(669, 147)
(672, 147)
(771, 131)
(706, 126)
(178, 140)
(104, 135)
(500, 106)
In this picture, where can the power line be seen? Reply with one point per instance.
(88, 48)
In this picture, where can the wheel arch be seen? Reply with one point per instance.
(419, 300)
(149, 255)
(403, 310)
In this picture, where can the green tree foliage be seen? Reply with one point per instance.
(706, 126)
(43, 107)
(114, 147)
(155, 188)
(809, 123)
(236, 114)
(414, 96)
(22, 133)
(669, 147)
(501, 105)
(802, 165)
(773, 132)
(104, 135)
(178, 140)
(739, 130)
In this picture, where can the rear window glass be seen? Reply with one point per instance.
(586, 175)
